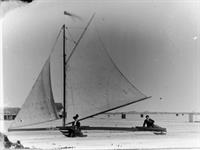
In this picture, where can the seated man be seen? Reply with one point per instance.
(149, 122)
(76, 123)
(75, 130)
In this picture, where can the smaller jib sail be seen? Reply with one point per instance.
(39, 106)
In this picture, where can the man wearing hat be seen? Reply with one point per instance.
(76, 123)
(149, 122)
(75, 130)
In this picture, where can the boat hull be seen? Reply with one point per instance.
(67, 128)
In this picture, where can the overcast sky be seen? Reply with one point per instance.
(155, 44)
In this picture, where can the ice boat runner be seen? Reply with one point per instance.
(92, 85)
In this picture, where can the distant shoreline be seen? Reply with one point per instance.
(150, 112)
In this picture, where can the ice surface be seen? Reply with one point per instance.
(181, 135)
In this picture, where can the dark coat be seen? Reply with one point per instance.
(149, 122)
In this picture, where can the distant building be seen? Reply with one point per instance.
(9, 113)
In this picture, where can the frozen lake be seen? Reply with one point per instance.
(180, 134)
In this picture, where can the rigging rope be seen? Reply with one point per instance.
(71, 36)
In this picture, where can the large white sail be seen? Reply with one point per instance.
(39, 105)
(94, 82)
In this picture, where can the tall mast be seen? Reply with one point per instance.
(64, 77)
(65, 62)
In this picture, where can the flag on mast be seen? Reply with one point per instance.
(72, 15)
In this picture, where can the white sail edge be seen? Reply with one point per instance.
(39, 106)
(117, 68)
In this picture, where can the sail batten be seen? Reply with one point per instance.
(39, 106)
